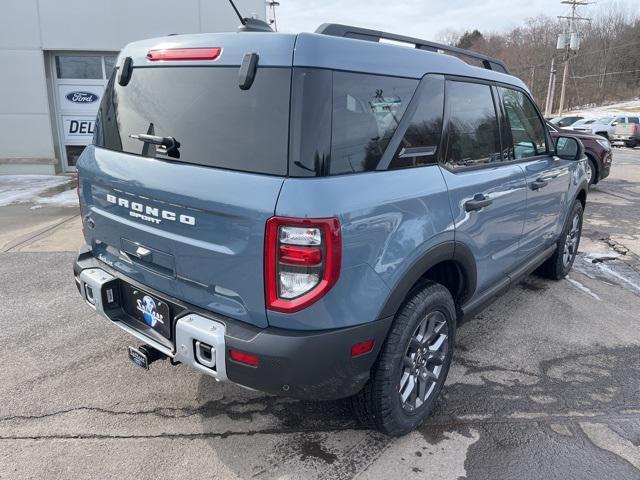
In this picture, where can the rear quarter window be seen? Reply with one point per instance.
(366, 112)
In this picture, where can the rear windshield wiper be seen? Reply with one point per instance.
(169, 145)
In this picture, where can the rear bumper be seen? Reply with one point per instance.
(626, 139)
(311, 365)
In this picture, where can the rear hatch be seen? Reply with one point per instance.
(190, 221)
(626, 130)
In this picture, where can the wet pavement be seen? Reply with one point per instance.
(545, 382)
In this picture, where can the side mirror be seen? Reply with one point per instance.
(569, 148)
(613, 124)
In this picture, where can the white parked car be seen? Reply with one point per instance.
(583, 125)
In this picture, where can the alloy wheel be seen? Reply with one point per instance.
(423, 361)
(589, 172)
(571, 241)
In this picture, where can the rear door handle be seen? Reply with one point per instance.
(538, 184)
(479, 201)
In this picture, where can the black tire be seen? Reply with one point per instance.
(594, 170)
(379, 404)
(558, 266)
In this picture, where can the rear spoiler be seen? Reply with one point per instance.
(347, 31)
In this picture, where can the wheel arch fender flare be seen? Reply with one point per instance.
(582, 193)
(579, 196)
(454, 251)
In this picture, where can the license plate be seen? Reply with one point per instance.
(138, 357)
(148, 309)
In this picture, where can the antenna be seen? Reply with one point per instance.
(235, 9)
(250, 24)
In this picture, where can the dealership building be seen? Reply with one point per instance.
(56, 57)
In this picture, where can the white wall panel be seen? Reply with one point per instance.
(19, 24)
(23, 87)
(109, 25)
(26, 136)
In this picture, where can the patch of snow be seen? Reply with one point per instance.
(27, 188)
(68, 198)
(612, 273)
(629, 107)
(593, 257)
(582, 288)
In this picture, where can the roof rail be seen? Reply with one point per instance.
(337, 30)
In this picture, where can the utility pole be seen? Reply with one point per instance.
(573, 35)
(565, 75)
(272, 4)
(533, 80)
(548, 107)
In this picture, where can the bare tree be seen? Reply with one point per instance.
(606, 68)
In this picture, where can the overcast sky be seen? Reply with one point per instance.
(420, 18)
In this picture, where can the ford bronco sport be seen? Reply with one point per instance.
(313, 215)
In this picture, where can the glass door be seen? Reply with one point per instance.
(79, 81)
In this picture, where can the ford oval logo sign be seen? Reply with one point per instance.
(82, 97)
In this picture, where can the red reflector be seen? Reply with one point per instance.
(361, 348)
(242, 357)
(184, 54)
(298, 255)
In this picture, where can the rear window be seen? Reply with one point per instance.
(216, 123)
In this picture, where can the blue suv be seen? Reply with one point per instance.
(313, 215)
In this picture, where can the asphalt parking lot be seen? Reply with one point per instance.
(545, 382)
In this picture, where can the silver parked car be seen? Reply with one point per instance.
(605, 126)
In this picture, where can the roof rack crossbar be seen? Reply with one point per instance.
(337, 30)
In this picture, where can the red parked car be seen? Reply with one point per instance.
(597, 148)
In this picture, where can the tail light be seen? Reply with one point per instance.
(302, 261)
(209, 53)
(635, 128)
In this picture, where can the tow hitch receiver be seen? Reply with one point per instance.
(144, 355)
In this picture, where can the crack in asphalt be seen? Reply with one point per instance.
(29, 238)
(576, 418)
(195, 435)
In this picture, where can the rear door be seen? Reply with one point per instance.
(189, 221)
(547, 175)
(487, 195)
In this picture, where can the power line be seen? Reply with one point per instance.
(607, 73)
(579, 55)
(526, 68)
